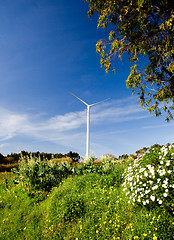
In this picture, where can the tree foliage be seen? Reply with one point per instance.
(141, 27)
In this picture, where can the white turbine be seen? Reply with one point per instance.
(88, 122)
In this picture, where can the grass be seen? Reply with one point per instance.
(88, 206)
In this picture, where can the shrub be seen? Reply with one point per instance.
(149, 180)
(42, 175)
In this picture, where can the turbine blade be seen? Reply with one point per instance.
(80, 99)
(98, 102)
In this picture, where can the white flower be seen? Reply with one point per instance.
(144, 203)
(166, 181)
(145, 174)
(166, 190)
(160, 202)
(165, 194)
(158, 180)
(168, 163)
(147, 191)
(161, 162)
(147, 201)
(152, 198)
(162, 172)
(169, 171)
(155, 187)
(138, 177)
(149, 166)
(152, 172)
(142, 170)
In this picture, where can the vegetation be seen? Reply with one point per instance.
(90, 201)
(141, 28)
(12, 160)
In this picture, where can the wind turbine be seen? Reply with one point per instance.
(88, 122)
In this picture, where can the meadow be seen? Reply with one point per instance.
(130, 199)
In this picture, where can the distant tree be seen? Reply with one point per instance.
(58, 155)
(141, 27)
(2, 158)
(10, 160)
(156, 146)
(73, 155)
(141, 151)
(123, 156)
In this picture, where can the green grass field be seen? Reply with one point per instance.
(90, 206)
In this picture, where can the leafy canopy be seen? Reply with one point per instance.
(141, 27)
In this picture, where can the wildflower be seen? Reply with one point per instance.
(166, 181)
(147, 201)
(158, 180)
(155, 187)
(152, 198)
(154, 237)
(160, 202)
(147, 191)
(168, 163)
(165, 194)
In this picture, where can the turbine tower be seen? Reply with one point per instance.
(88, 123)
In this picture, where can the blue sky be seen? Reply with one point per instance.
(47, 50)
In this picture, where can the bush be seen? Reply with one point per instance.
(42, 175)
(149, 180)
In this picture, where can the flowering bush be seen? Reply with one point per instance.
(149, 179)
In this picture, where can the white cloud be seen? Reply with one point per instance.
(68, 129)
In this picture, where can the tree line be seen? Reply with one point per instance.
(15, 157)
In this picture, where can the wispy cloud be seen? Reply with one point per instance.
(68, 129)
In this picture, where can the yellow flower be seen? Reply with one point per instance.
(154, 237)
